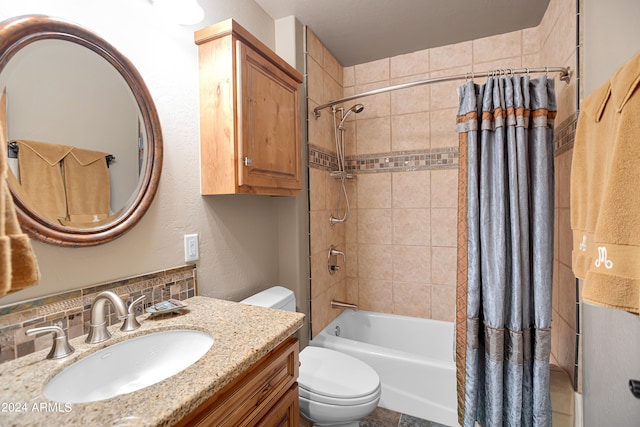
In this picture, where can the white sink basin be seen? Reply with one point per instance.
(128, 366)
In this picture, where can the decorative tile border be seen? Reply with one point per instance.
(565, 135)
(438, 158)
(71, 310)
(320, 159)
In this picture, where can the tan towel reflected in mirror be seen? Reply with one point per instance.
(18, 266)
(64, 184)
(40, 176)
(87, 184)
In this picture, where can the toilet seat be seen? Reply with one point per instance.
(333, 388)
(325, 414)
(334, 378)
(339, 401)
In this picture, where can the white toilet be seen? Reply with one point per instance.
(335, 389)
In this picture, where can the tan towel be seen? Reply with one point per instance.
(41, 177)
(18, 266)
(89, 221)
(87, 185)
(605, 199)
(5, 242)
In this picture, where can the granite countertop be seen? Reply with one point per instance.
(242, 335)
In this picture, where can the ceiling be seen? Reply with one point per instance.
(359, 31)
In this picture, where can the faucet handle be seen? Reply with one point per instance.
(130, 322)
(335, 252)
(61, 347)
(332, 263)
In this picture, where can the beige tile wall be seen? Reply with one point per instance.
(557, 40)
(324, 84)
(401, 237)
(405, 231)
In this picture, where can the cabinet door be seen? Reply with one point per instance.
(269, 124)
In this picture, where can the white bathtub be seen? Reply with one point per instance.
(413, 357)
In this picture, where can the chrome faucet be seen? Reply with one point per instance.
(98, 331)
(340, 304)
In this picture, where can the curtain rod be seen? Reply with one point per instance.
(565, 76)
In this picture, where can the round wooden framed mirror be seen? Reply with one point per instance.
(22, 37)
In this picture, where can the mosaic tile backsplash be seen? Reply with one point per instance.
(71, 310)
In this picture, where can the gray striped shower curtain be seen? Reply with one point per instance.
(505, 251)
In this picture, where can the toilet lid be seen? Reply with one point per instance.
(330, 373)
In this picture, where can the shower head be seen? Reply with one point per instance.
(356, 108)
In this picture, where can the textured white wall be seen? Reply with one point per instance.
(239, 235)
(611, 34)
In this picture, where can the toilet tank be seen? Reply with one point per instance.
(277, 297)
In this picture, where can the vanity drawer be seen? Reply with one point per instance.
(285, 413)
(248, 399)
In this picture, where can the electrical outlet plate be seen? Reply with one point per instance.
(191, 252)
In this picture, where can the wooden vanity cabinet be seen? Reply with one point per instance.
(265, 395)
(250, 135)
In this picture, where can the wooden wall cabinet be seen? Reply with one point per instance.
(250, 134)
(265, 395)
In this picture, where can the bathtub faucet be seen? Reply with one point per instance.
(340, 304)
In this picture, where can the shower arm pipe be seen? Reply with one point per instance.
(565, 76)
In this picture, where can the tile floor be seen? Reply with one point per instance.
(386, 418)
